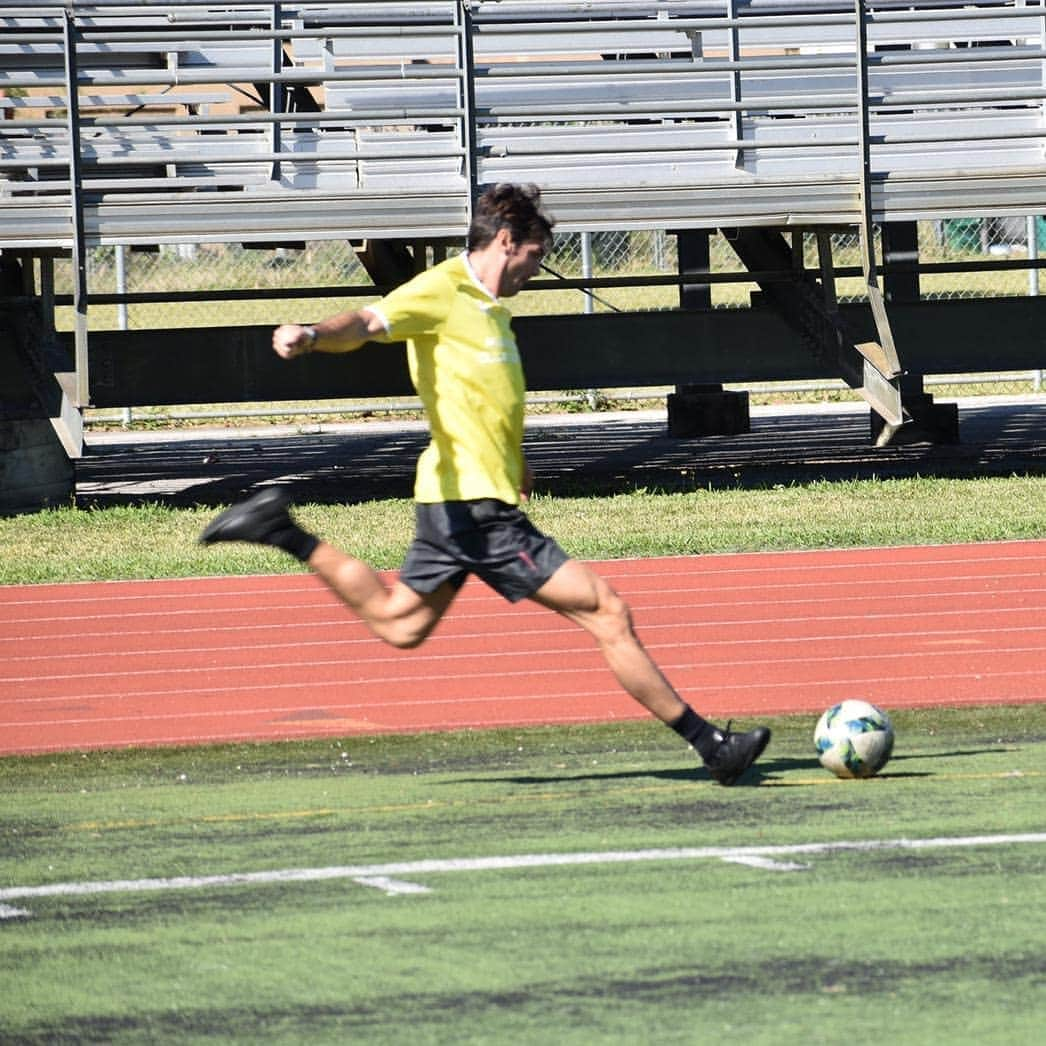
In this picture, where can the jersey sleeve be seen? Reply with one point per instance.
(417, 307)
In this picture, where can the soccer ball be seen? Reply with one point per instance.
(854, 739)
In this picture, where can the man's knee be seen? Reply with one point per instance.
(405, 619)
(612, 619)
(404, 635)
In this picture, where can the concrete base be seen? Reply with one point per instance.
(929, 422)
(706, 410)
(35, 471)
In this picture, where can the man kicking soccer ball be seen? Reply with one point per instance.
(472, 477)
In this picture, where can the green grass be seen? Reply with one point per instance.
(156, 541)
(895, 945)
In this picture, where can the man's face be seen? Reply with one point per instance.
(522, 262)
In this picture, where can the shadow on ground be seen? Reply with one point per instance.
(584, 454)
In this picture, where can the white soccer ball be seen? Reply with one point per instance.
(854, 739)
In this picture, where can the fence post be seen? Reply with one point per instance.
(586, 269)
(121, 311)
(591, 395)
(1033, 282)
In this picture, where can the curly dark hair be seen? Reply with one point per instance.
(513, 207)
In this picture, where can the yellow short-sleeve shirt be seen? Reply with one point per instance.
(465, 366)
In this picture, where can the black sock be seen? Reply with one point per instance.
(701, 734)
(299, 543)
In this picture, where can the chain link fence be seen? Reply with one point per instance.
(217, 273)
(214, 268)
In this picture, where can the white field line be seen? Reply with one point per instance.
(387, 875)
(766, 864)
(392, 887)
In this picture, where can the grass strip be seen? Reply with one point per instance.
(154, 541)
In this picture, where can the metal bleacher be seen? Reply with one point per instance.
(630, 115)
(377, 122)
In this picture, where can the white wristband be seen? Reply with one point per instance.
(311, 334)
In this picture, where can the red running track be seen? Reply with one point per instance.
(112, 664)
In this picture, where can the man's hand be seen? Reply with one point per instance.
(291, 340)
(528, 482)
(345, 332)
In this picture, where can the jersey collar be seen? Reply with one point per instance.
(476, 280)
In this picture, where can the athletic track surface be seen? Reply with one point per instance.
(111, 664)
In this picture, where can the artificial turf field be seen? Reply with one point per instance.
(580, 885)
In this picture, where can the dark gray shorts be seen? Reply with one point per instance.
(488, 538)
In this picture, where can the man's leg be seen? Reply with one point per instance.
(396, 613)
(582, 596)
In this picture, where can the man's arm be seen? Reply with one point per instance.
(341, 333)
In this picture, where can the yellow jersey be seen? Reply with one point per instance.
(465, 366)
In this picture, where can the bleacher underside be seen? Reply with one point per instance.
(378, 122)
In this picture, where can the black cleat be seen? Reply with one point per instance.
(260, 518)
(736, 753)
